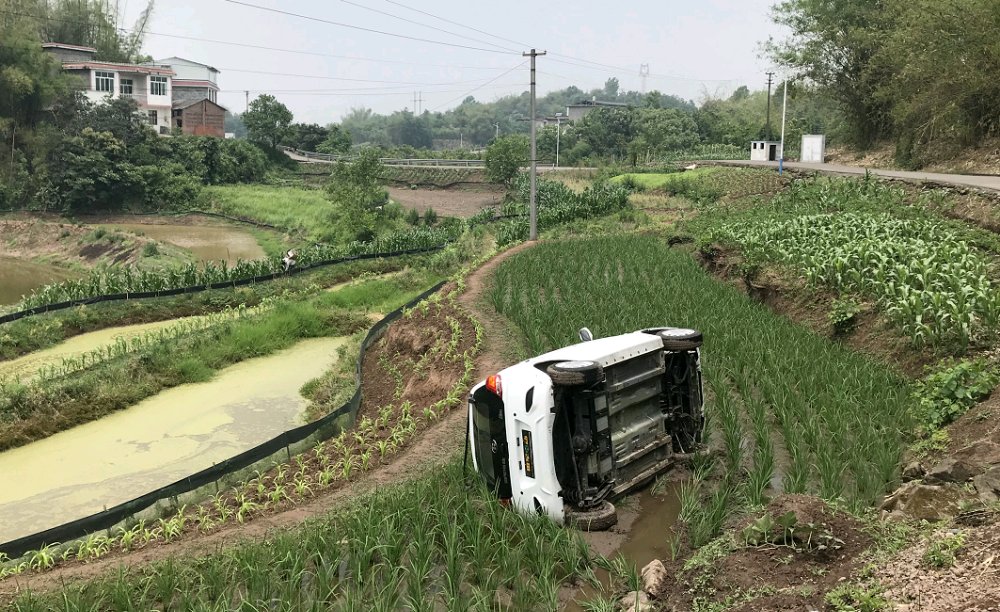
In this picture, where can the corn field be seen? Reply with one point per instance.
(126, 280)
(795, 412)
(930, 282)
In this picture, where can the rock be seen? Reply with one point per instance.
(636, 601)
(913, 471)
(980, 455)
(654, 576)
(950, 470)
(926, 502)
(988, 485)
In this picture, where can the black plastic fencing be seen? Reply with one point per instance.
(325, 428)
(14, 316)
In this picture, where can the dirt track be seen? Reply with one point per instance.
(461, 202)
(434, 447)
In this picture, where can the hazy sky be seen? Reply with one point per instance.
(692, 47)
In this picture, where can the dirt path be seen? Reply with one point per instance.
(434, 447)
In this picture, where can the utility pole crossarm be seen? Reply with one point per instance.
(533, 205)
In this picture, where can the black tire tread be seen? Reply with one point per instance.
(601, 518)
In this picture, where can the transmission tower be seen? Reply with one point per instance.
(644, 75)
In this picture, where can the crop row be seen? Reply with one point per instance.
(557, 204)
(931, 283)
(122, 346)
(372, 441)
(841, 419)
(125, 280)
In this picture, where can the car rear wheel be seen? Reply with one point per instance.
(680, 339)
(572, 373)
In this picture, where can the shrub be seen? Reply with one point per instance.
(953, 387)
(941, 552)
(505, 157)
(430, 217)
(844, 315)
(413, 216)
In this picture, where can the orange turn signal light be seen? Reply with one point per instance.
(493, 384)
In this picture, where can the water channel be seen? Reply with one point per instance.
(76, 473)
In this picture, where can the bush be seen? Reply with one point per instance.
(844, 315)
(413, 216)
(953, 387)
(430, 217)
(505, 157)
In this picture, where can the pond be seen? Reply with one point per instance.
(183, 430)
(19, 276)
(206, 242)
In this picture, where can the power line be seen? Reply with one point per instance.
(521, 44)
(264, 47)
(424, 25)
(422, 12)
(332, 78)
(472, 91)
(363, 29)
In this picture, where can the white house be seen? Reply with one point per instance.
(149, 85)
(193, 81)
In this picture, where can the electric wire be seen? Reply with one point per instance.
(424, 25)
(364, 29)
(472, 91)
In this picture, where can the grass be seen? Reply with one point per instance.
(302, 211)
(40, 332)
(34, 411)
(842, 418)
(434, 543)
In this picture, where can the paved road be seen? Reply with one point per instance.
(990, 183)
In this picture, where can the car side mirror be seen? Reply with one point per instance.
(585, 335)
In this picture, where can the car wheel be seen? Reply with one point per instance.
(601, 518)
(572, 373)
(680, 339)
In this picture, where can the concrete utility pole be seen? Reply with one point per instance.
(644, 74)
(498, 130)
(784, 113)
(533, 234)
(247, 92)
(770, 81)
(558, 133)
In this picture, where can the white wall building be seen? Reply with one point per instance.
(150, 86)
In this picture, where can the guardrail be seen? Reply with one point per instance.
(388, 161)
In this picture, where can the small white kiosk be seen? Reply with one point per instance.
(813, 148)
(764, 150)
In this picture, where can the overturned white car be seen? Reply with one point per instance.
(564, 433)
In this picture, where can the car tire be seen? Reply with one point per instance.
(680, 339)
(601, 518)
(575, 373)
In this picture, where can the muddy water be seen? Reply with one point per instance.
(647, 520)
(207, 242)
(25, 368)
(18, 277)
(158, 441)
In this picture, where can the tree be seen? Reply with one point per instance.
(337, 141)
(504, 158)
(839, 45)
(267, 120)
(305, 136)
(356, 188)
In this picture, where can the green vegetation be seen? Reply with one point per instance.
(52, 404)
(36, 333)
(931, 98)
(941, 550)
(429, 175)
(304, 212)
(557, 205)
(851, 236)
(843, 419)
(951, 388)
(423, 545)
(505, 157)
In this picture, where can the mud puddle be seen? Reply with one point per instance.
(78, 472)
(642, 535)
(206, 242)
(27, 367)
(19, 276)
